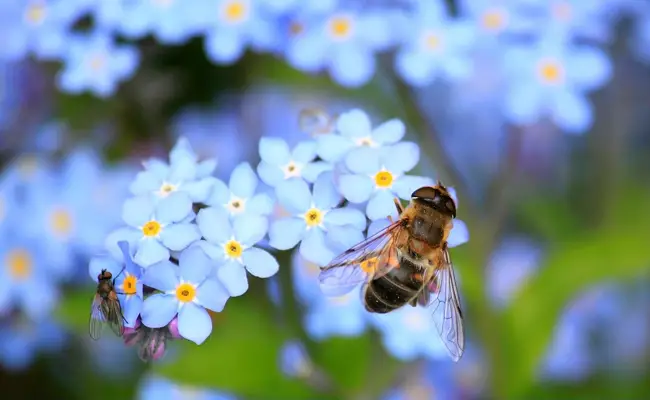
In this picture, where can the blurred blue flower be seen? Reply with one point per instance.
(552, 79)
(279, 163)
(434, 379)
(305, 278)
(409, 333)
(25, 281)
(21, 340)
(128, 284)
(356, 132)
(294, 360)
(183, 174)
(155, 388)
(493, 19)
(336, 316)
(231, 243)
(239, 196)
(320, 227)
(11, 93)
(344, 42)
(239, 23)
(155, 228)
(95, 63)
(187, 290)
(436, 46)
(640, 36)
(378, 175)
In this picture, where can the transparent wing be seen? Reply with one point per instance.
(97, 318)
(441, 295)
(369, 259)
(115, 317)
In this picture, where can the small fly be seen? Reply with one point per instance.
(106, 307)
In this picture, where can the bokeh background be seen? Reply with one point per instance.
(535, 111)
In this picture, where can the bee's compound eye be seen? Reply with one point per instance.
(425, 193)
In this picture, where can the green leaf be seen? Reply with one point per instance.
(74, 309)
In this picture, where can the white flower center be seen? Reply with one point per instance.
(292, 170)
(366, 141)
(236, 205)
(166, 188)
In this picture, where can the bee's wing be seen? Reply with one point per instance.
(442, 298)
(97, 318)
(348, 270)
(115, 317)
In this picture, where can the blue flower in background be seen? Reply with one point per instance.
(294, 360)
(378, 175)
(238, 24)
(239, 196)
(433, 380)
(552, 79)
(336, 316)
(305, 279)
(25, 281)
(279, 163)
(492, 19)
(155, 388)
(96, 63)
(231, 243)
(321, 229)
(640, 37)
(21, 340)
(155, 228)
(435, 46)
(187, 290)
(183, 174)
(128, 284)
(355, 131)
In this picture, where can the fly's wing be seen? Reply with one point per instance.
(442, 298)
(369, 259)
(115, 317)
(97, 318)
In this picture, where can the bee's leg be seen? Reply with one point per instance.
(398, 205)
(118, 275)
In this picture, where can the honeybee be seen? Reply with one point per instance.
(407, 262)
(106, 307)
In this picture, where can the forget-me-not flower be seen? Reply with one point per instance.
(552, 79)
(378, 175)
(184, 173)
(21, 340)
(155, 228)
(294, 360)
(305, 278)
(156, 388)
(342, 315)
(187, 290)
(96, 63)
(279, 163)
(320, 227)
(356, 131)
(231, 243)
(128, 284)
(239, 196)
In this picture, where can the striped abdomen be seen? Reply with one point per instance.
(395, 289)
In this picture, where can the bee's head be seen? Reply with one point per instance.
(104, 274)
(436, 197)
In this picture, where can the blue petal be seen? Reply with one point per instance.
(214, 251)
(214, 224)
(132, 309)
(182, 170)
(260, 263)
(137, 211)
(158, 310)
(38, 297)
(523, 104)
(206, 167)
(285, 233)
(250, 229)
(332, 148)
(150, 251)
(97, 264)
(405, 185)
(233, 276)
(588, 68)
(346, 216)
(162, 276)
(173, 208)
(260, 204)
(325, 194)
(415, 68)
(131, 235)
(270, 174)
(356, 188)
(572, 111)
(176, 237)
(400, 157)
(294, 195)
(390, 132)
(127, 258)
(220, 194)
(224, 46)
(365, 161)
(380, 205)
(243, 181)
(195, 266)
(194, 323)
(313, 247)
(310, 172)
(341, 238)
(354, 124)
(274, 151)
(200, 190)
(212, 295)
(352, 66)
(145, 182)
(181, 151)
(379, 224)
(304, 152)
(459, 234)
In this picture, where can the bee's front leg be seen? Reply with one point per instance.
(398, 205)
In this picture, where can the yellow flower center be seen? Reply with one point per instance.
(311, 268)
(151, 228)
(366, 142)
(185, 292)
(166, 189)
(368, 266)
(550, 71)
(493, 20)
(340, 27)
(415, 320)
(432, 41)
(384, 179)
(236, 205)
(35, 13)
(97, 62)
(233, 249)
(296, 28)
(235, 11)
(19, 263)
(562, 11)
(313, 217)
(27, 166)
(291, 170)
(61, 222)
(129, 285)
